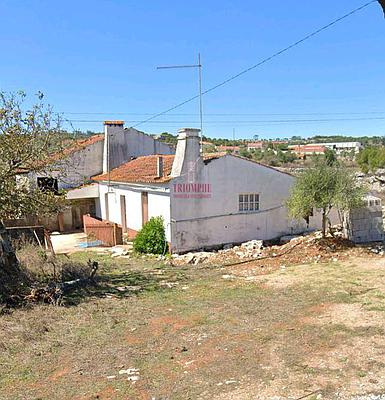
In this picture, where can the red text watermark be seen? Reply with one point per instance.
(192, 190)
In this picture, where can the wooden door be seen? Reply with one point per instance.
(123, 213)
(107, 208)
(144, 207)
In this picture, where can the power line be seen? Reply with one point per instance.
(264, 61)
(245, 121)
(227, 114)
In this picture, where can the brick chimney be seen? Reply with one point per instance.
(187, 156)
(111, 128)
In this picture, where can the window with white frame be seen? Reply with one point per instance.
(249, 202)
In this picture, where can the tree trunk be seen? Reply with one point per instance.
(8, 259)
(324, 223)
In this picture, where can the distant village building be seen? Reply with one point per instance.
(229, 149)
(340, 147)
(255, 146)
(303, 151)
(206, 201)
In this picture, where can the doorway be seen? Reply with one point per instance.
(123, 213)
(107, 209)
(144, 207)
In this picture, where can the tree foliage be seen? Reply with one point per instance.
(323, 187)
(330, 157)
(274, 158)
(28, 138)
(371, 158)
(151, 239)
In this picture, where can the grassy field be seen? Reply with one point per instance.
(152, 331)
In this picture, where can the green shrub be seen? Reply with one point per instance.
(151, 239)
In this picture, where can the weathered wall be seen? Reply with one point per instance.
(81, 165)
(77, 168)
(365, 224)
(128, 143)
(215, 220)
(158, 204)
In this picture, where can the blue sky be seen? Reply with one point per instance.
(96, 60)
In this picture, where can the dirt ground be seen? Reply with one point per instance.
(150, 331)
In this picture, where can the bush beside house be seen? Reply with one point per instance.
(151, 239)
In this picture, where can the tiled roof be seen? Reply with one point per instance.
(256, 145)
(225, 148)
(69, 147)
(82, 143)
(74, 146)
(309, 148)
(144, 169)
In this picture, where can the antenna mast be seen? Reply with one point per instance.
(199, 66)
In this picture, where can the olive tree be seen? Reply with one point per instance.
(29, 137)
(323, 187)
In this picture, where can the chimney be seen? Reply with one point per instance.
(111, 129)
(187, 155)
(159, 167)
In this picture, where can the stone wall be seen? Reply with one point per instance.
(365, 225)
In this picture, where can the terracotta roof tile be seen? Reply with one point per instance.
(74, 146)
(82, 143)
(140, 170)
(144, 169)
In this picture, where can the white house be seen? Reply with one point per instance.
(341, 147)
(72, 169)
(205, 201)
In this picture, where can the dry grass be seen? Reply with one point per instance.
(194, 335)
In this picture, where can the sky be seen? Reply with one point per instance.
(96, 60)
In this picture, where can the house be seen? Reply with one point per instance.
(302, 151)
(72, 170)
(229, 149)
(255, 146)
(341, 147)
(206, 201)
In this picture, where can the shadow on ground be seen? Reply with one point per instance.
(118, 283)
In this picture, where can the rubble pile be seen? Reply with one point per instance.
(378, 249)
(247, 250)
(376, 181)
(121, 251)
(311, 248)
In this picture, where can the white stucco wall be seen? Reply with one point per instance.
(158, 204)
(204, 222)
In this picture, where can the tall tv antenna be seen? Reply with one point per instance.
(199, 67)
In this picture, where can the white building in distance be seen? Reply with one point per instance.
(340, 147)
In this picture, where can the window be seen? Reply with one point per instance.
(248, 202)
(47, 184)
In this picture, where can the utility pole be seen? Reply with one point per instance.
(199, 66)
